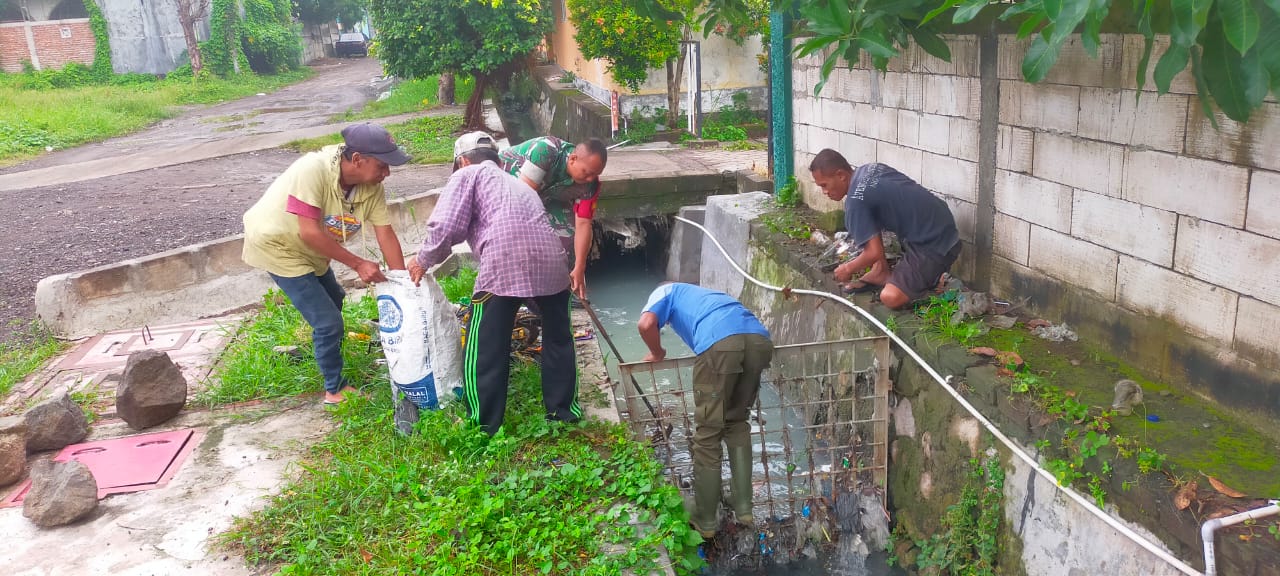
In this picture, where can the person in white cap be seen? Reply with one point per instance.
(300, 224)
(520, 257)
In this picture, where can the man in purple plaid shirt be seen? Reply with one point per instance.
(520, 257)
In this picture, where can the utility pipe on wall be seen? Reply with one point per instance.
(1208, 529)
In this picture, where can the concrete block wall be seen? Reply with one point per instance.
(920, 117)
(56, 43)
(1151, 206)
(1137, 203)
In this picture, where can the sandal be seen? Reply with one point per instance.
(864, 288)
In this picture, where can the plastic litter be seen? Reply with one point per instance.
(1055, 332)
(1152, 418)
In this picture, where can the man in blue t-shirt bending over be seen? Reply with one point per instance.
(878, 198)
(733, 349)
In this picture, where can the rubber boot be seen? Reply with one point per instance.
(740, 492)
(706, 501)
(405, 414)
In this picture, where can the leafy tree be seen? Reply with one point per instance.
(1232, 46)
(271, 41)
(633, 42)
(636, 36)
(486, 39)
(348, 12)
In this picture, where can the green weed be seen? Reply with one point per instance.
(250, 369)
(723, 132)
(939, 311)
(35, 116)
(88, 398)
(427, 140)
(460, 286)
(25, 351)
(412, 96)
(785, 221)
(1149, 460)
(537, 498)
(788, 195)
(968, 543)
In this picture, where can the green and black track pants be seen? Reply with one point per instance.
(487, 364)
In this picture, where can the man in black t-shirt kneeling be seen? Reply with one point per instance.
(878, 198)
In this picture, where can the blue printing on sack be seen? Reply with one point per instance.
(422, 393)
(390, 315)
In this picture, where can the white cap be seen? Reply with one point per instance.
(473, 141)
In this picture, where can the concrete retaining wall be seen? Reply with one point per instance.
(934, 438)
(203, 280)
(317, 41)
(564, 112)
(1130, 217)
(146, 36)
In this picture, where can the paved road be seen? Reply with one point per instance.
(179, 182)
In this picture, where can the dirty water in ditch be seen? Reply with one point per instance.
(619, 284)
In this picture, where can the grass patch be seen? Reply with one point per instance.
(24, 352)
(411, 96)
(249, 369)
(539, 497)
(460, 286)
(427, 140)
(36, 117)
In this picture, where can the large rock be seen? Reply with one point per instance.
(61, 493)
(153, 389)
(13, 449)
(54, 424)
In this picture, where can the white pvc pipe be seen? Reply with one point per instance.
(1208, 529)
(945, 383)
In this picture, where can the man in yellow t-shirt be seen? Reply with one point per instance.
(324, 199)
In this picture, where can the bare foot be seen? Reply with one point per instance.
(340, 396)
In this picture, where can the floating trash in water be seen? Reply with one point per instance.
(791, 467)
(1152, 418)
(805, 511)
(845, 462)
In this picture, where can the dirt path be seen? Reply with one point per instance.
(63, 228)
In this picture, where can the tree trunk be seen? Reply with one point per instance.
(190, 12)
(473, 119)
(675, 72)
(446, 92)
(193, 47)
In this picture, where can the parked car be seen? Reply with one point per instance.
(351, 44)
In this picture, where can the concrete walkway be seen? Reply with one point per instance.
(244, 455)
(114, 166)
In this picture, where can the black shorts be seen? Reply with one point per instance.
(918, 272)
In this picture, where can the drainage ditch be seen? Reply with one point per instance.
(629, 262)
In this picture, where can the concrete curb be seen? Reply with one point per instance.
(198, 281)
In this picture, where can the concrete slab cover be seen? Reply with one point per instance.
(183, 342)
(97, 364)
(128, 464)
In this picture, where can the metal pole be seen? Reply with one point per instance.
(780, 141)
(600, 326)
(696, 114)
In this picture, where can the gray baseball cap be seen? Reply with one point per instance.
(473, 141)
(373, 140)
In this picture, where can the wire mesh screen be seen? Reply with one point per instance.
(819, 428)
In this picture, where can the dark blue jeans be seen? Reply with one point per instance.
(319, 300)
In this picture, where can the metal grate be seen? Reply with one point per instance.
(819, 429)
